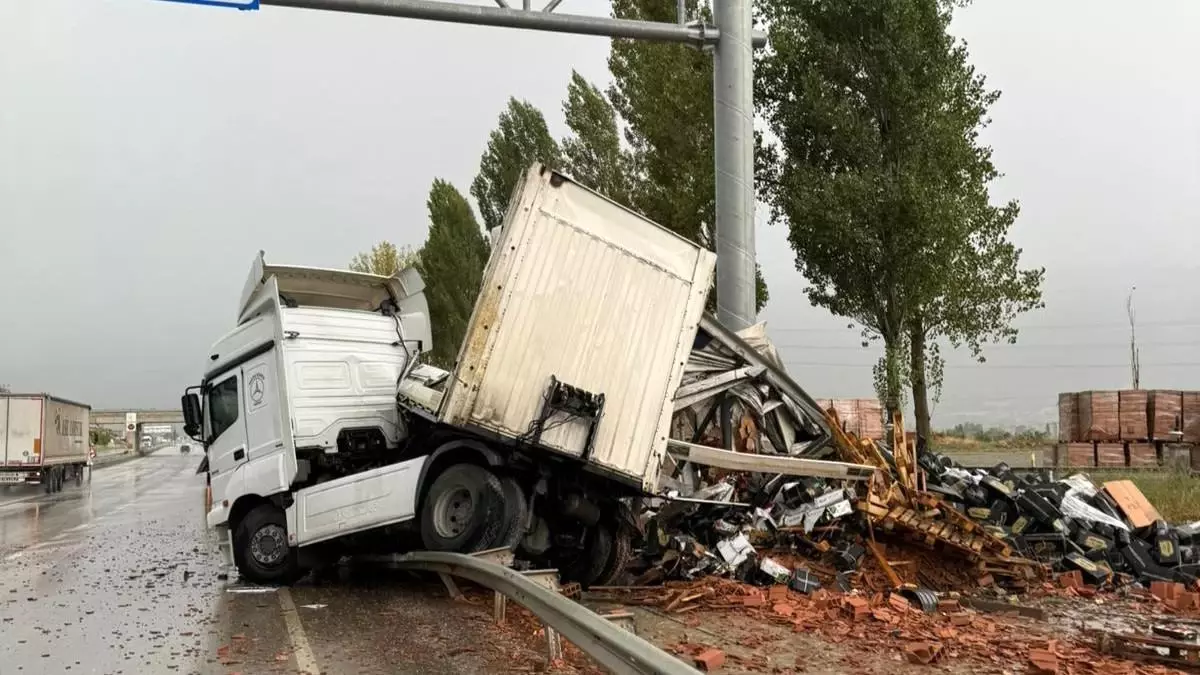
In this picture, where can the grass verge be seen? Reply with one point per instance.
(1175, 494)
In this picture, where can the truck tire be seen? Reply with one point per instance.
(516, 514)
(260, 547)
(463, 511)
(48, 481)
(622, 551)
(591, 562)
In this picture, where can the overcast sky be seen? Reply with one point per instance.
(148, 150)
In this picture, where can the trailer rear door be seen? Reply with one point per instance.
(20, 430)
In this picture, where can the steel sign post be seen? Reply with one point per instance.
(733, 40)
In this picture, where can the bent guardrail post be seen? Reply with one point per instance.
(610, 645)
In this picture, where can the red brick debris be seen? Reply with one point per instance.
(710, 660)
(889, 624)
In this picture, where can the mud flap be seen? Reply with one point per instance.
(225, 548)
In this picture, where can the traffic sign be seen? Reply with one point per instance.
(236, 4)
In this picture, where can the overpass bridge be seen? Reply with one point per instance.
(132, 420)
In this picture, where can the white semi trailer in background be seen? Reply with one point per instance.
(43, 440)
(325, 432)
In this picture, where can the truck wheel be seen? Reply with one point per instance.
(622, 551)
(463, 510)
(593, 559)
(516, 514)
(260, 547)
(48, 481)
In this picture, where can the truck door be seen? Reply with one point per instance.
(226, 431)
(265, 435)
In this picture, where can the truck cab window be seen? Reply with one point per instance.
(222, 406)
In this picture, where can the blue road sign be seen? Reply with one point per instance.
(236, 4)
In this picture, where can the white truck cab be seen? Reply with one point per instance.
(312, 366)
(324, 432)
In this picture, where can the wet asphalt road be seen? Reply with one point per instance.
(108, 577)
(120, 576)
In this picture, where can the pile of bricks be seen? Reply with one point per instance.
(862, 417)
(1130, 427)
(1176, 596)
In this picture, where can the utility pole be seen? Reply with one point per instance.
(1134, 361)
(732, 40)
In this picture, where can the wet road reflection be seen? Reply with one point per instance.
(113, 576)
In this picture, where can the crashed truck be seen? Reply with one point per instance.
(588, 350)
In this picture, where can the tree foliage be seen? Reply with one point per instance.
(451, 263)
(384, 259)
(521, 138)
(593, 153)
(663, 93)
(880, 176)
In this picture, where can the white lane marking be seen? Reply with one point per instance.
(252, 590)
(51, 544)
(77, 528)
(305, 661)
(44, 547)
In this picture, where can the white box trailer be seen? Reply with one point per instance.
(581, 291)
(323, 431)
(43, 439)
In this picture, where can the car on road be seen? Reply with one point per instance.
(185, 449)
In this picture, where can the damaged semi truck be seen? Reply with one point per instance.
(324, 430)
(326, 433)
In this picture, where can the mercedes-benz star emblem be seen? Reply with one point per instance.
(257, 388)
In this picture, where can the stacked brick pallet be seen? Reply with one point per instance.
(861, 416)
(1126, 428)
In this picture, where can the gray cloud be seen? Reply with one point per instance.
(148, 150)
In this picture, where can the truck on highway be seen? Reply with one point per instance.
(326, 431)
(43, 440)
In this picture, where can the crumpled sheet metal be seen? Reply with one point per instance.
(702, 389)
(715, 369)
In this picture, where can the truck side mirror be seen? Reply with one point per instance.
(192, 416)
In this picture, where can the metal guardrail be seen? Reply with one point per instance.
(610, 645)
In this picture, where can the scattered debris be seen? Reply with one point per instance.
(890, 528)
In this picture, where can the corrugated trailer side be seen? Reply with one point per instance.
(582, 290)
(64, 431)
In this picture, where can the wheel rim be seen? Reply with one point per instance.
(452, 512)
(268, 546)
